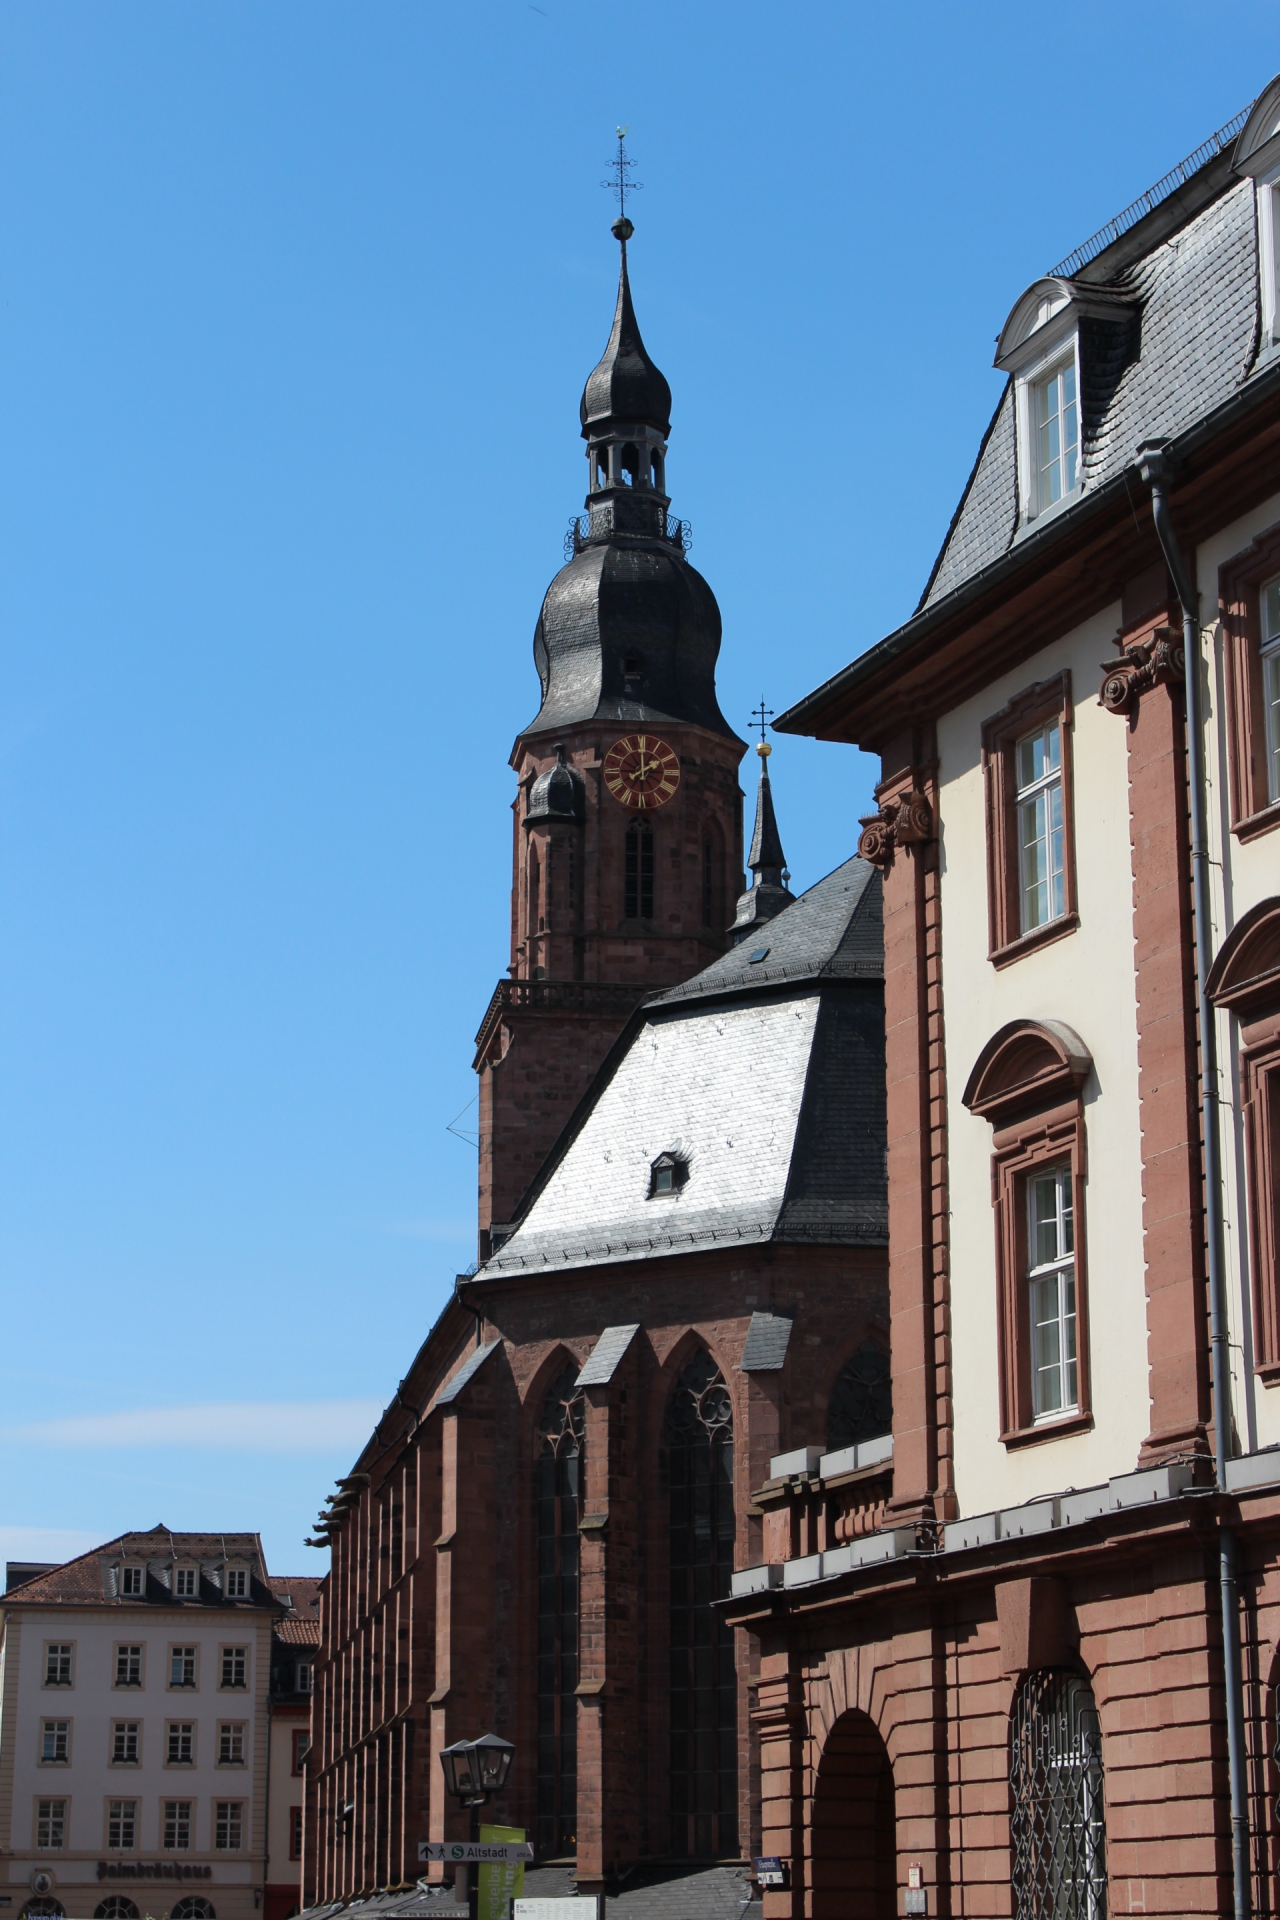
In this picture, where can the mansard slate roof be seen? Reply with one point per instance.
(1189, 346)
(1169, 350)
(765, 1079)
(89, 1579)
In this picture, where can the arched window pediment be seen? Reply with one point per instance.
(1028, 1064)
(1245, 977)
(1254, 150)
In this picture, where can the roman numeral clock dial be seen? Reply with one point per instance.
(641, 771)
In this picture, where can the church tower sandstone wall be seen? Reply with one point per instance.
(627, 823)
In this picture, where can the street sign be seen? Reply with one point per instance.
(464, 1853)
(575, 1907)
(770, 1871)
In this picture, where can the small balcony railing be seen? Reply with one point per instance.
(581, 533)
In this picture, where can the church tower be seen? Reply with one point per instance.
(627, 850)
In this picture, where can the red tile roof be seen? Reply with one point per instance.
(80, 1582)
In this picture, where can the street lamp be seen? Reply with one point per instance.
(473, 1770)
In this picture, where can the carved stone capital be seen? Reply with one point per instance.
(1144, 664)
(901, 820)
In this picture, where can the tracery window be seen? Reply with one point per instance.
(698, 1446)
(861, 1403)
(639, 873)
(559, 1472)
(1058, 1829)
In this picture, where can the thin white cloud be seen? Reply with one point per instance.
(54, 1544)
(246, 1426)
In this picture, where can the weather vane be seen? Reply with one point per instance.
(620, 184)
(760, 717)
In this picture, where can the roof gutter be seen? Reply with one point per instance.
(805, 715)
(1155, 467)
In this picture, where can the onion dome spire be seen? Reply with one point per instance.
(626, 387)
(769, 893)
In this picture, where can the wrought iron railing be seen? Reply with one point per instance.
(1098, 242)
(678, 533)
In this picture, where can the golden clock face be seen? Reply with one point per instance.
(641, 771)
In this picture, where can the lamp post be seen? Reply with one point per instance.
(473, 1771)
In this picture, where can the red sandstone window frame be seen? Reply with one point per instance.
(1240, 581)
(1028, 1082)
(1245, 980)
(1036, 705)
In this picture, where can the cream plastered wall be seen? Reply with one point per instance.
(285, 1793)
(1087, 980)
(1241, 876)
(89, 1780)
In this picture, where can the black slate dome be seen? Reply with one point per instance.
(629, 631)
(558, 794)
(626, 385)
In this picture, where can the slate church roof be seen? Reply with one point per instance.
(763, 1078)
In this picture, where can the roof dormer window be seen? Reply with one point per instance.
(132, 1582)
(1257, 155)
(667, 1174)
(1040, 346)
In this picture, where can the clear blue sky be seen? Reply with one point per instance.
(298, 300)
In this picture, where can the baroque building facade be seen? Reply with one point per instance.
(1043, 1679)
(152, 1694)
(682, 1239)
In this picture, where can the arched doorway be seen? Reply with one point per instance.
(854, 1855)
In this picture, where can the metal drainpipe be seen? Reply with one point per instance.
(1154, 466)
(459, 1293)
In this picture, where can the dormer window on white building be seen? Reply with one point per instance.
(1041, 345)
(133, 1582)
(237, 1583)
(1257, 155)
(186, 1583)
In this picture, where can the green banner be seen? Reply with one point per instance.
(502, 1882)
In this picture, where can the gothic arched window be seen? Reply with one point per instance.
(639, 873)
(704, 1687)
(561, 1437)
(1058, 1831)
(861, 1403)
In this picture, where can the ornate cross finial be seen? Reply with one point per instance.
(620, 184)
(760, 717)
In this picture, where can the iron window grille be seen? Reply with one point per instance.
(703, 1704)
(1058, 1829)
(193, 1907)
(559, 1485)
(116, 1906)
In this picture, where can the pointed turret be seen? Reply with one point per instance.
(768, 893)
(626, 387)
